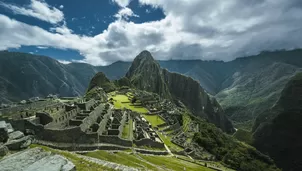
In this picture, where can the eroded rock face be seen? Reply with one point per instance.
(35, 160)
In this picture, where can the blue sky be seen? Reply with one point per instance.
(100, 32)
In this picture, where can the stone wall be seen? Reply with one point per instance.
(86, 105)
(80, 147)
(121, 127)
(63, 118)
(114, 140)
(92, 118)
(148, 142)
(172, 127)
(67, 135)
(103, 123)
(45, 118)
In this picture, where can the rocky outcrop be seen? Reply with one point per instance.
(36, 159)
(3, 150)
(278, 134)
(21, 143)
(16, 135)
(100, 80)
(146, 74)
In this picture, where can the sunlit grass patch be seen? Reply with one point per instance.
(154, 120)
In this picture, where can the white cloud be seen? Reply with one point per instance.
(38, 9)
(122, 3)
(61, 6)
(208, 29)
(64, 62)
(42, 47)
(125, 13)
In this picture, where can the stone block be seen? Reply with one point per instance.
(3, 150)
(9, 128)
(16, 135)
(3, 131)
(19, 143)
(36, 159)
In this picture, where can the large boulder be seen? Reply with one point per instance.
(16, 135)
(21, 143)
(3, 131)
(3, 150)
(9, 127)
(36, 159)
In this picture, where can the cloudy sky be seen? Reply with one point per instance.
(100, 32)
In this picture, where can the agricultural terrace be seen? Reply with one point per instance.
(121, 101)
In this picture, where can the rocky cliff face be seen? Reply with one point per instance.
(146, 74)
(278, 134)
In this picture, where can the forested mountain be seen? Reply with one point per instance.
(278, 130)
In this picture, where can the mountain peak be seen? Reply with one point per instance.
(144, 55)
(143, 61)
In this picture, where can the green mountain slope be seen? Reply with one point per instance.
(279, 130)
(146, 74)
(24, 75)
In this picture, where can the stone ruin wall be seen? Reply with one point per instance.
(148, 142)
(63, 118)
(92, 118)
(77, 134)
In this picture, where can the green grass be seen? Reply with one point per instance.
(186, 121)
(125, 133)
(81, 165)
(154, 120)
(167, 141)
(122, 101)
(121, 158)
(142, 162)
(173, 163)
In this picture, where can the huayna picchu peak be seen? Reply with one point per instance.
(145, 74)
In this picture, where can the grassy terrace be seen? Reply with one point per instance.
(147, 162)
(167, 140)
(127, 131)
(154, 119)
(122, 101)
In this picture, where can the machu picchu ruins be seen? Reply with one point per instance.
(134, 123)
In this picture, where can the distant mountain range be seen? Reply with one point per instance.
(244, 87)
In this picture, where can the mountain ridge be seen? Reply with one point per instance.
(145, 74)
(218, 78)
